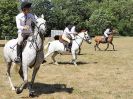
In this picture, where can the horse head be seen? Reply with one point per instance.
(40, 24)
(87, 37)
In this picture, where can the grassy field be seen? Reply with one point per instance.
(99, 75)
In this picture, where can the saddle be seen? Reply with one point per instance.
(103, 39)
(65, 43)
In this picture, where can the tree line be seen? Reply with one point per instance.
(95, 15)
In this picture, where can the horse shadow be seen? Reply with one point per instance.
(111, 50)
(78, 63)
(41, 88)
(108, 50)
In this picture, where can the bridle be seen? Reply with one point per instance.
(81, 38)
(34, 37)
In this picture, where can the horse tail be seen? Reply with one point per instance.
(46, 46)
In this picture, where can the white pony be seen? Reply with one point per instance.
(32, 55)
(57, 47)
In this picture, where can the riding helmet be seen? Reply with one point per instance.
(25, 5)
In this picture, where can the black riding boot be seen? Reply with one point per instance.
(19, 52)
(106, 39)
(69, 45)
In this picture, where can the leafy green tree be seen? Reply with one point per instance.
(8, 11)
(92, 14)
(100, 19)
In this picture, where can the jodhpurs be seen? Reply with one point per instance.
(22, 37)
(64, 37)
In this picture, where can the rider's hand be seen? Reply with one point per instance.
(26, 27)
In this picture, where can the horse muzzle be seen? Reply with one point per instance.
(89, 41)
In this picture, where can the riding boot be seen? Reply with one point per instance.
(19, 52)
(70, 46)
(106, 39)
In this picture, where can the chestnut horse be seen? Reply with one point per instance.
(101, 39)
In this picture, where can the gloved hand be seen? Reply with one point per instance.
(26, 27)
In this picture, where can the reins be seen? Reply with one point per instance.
(34, 37)
(79, 38)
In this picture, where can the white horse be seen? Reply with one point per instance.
(32, 55)
(56, 46)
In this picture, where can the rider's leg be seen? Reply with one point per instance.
(106, 39)
(21, 38)
(68, 46)
(19, 48)
(64, 37)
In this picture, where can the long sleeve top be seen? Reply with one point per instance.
(22, 20)
(67, 31)
(107, 32)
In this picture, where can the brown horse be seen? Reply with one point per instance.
(101, 39)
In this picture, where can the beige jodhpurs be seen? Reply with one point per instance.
(64, 37)
(22, 37)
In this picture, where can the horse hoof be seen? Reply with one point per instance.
(32, 94)
(56, 63)
(75, 65)
(18, 90)
(13, 89)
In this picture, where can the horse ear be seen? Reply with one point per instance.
(35, 16)
(42, 16)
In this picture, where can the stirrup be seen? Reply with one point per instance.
(17, 60)
(68, 49)
(44, 61)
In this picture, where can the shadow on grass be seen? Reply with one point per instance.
(41, 88)
(79, 54)
(106, 50)
(111, 50)
(78, 63)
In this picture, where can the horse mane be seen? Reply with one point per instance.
(33, 26)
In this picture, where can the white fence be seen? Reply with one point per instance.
(56, 32)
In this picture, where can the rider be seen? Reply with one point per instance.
(23, 22)
(107, 32)
(69, 30)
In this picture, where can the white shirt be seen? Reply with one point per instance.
(22, 20)
(107, 31)
(67, 31)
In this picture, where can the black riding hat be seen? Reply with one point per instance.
(25, 5)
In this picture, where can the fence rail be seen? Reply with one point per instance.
(56, 32)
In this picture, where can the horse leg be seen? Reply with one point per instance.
(44, 60)
(74, 57)
(25, 75)
(97, 45)
(53, 58)
(112, 45)
(9, 75)
(21, 72)
(79, 51)
(107, 47)
(30, 86)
